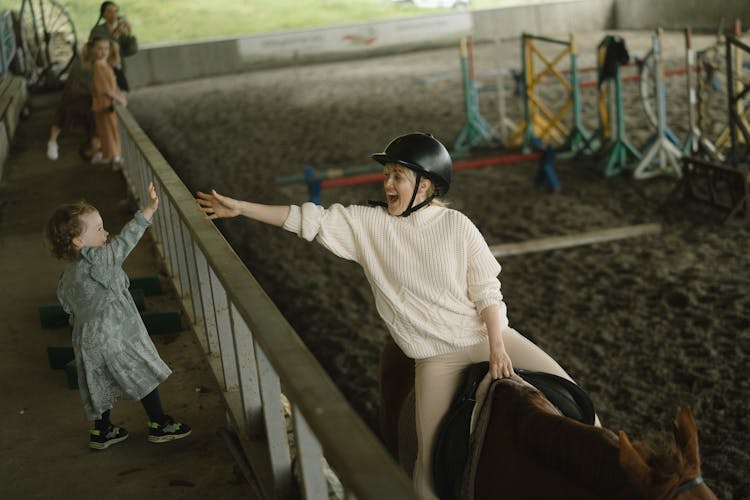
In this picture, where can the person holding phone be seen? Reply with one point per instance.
(116, 28)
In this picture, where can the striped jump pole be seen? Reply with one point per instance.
(476, 132)
(317, 180)
(662, 148)
(618, 151)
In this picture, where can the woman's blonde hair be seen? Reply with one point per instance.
(395, 167)
(65, 225)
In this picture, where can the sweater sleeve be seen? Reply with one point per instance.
(335, 227)
(483, 269)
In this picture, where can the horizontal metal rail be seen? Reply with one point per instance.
(274, 389)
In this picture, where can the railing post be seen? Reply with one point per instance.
(273, 417)
(209, 318)
(310, 459)
(224, 330)
(247, 371)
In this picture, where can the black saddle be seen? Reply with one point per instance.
(452, 444)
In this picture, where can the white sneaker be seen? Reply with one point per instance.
(97, 159)
(117, 163)
(53, 150)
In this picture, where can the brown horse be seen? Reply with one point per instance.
(531, 452)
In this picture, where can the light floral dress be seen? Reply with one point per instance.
(115, 357)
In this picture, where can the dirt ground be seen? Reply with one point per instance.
(44, 432)
(646, 325)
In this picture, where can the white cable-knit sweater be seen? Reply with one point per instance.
(432, 273)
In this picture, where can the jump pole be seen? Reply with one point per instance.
(492, 161)
(541, 123)
(586, 238)
(476, 131)
(696, 143)
(703, 147)
(737, 90)
(668, 154)
(619, 150)
(317, 180)
(693, 140)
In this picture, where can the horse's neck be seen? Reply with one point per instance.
(586, 454)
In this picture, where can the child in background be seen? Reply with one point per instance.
(73, 113)
(114, 355)
(104, 93)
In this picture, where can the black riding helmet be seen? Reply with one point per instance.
(426, 156)
(422, 153)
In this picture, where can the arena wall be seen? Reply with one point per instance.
(167, 63)
(677, 14)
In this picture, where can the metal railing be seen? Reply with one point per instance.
(255, 354)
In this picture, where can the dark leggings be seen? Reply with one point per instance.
(151, 403)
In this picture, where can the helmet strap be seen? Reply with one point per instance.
(413, 208)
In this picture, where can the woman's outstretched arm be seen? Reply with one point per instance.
(216, 206)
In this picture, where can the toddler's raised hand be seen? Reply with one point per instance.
(153, 202)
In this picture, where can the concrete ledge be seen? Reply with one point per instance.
(13, 97)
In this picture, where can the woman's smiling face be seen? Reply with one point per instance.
(399, 188)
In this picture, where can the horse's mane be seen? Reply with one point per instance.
(589, 454)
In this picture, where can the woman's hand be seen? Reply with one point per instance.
(153, 202)
(500, 364)
(123, 28)
(216, 206)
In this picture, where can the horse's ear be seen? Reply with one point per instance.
(686, 437)
(636, 469)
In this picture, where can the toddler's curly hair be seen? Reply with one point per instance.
(64, 225)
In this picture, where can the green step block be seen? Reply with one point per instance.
(59, 355)
(53, 316)
(139, 297)
(71, 372)
(161, 322)
(151, 285)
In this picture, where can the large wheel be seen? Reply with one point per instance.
(48, 40)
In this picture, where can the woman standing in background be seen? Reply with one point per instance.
(117, 29)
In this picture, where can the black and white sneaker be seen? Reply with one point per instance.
(103, 439)
(168, 430)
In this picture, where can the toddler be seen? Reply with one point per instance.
(115, 357)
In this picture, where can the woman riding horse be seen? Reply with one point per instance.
(432, 274)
